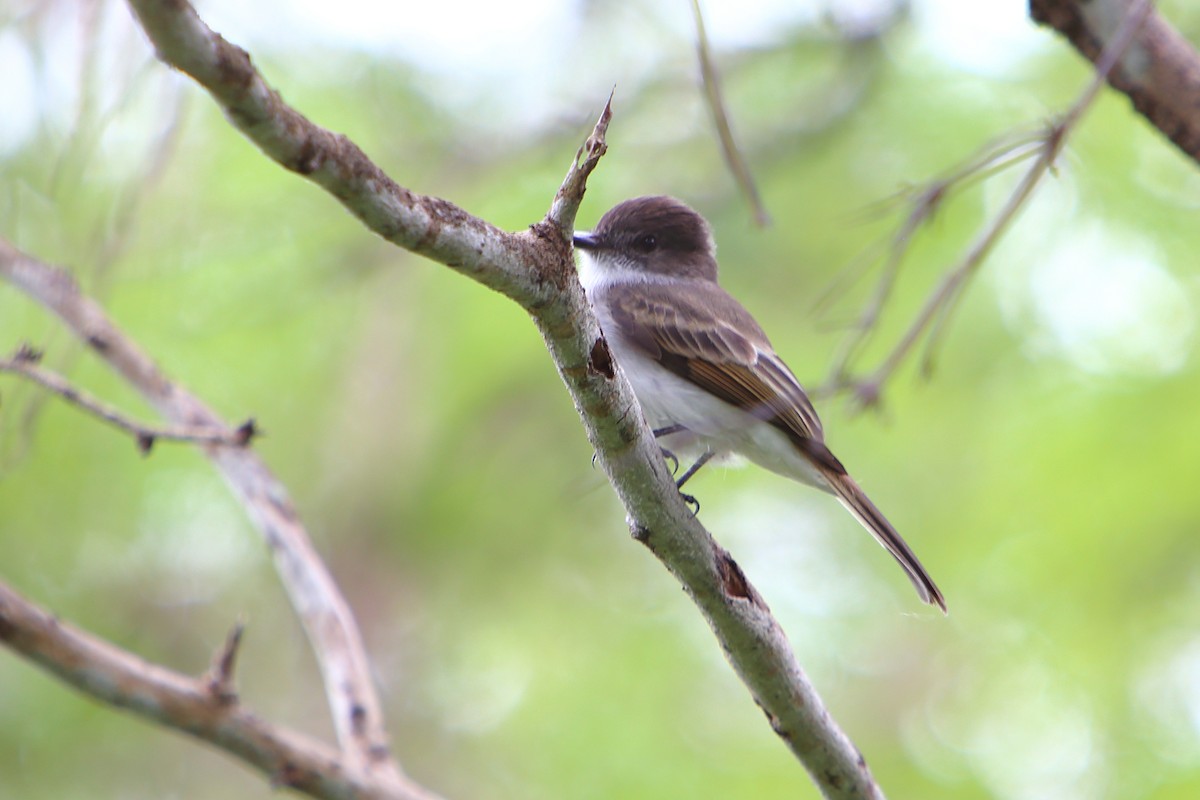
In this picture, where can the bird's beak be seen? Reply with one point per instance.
(586, 240)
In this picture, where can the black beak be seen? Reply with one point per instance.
(586, 240)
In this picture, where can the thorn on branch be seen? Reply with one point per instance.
(145, 442)
(245, 433)
(220, 673)
(570, 193)
(27, 354)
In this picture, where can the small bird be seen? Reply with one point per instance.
(704, 372)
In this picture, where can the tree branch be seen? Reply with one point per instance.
(1159, 71)
(25, 363)
(337, 643)
(425, 225)
(716, 103)
(534, 268)
(195, 706)
(939, 306)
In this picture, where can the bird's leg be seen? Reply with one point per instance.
(667, 454)
(667, 431)
(700, 462)
(692, 470)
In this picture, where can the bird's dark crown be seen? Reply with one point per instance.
(657, 234)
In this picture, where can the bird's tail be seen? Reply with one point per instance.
(854, 499)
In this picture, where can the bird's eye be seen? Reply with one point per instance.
(647, 243)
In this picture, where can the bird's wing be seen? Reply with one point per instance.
(706, 337)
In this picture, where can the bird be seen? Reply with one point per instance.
(703, 370)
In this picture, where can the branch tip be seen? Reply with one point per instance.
(570, 194)
(596, 145)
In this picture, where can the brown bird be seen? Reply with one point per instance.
(704, 372)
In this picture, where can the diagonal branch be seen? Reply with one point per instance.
(336, 641)
(195, 706)
(425, 225)
(537, 271)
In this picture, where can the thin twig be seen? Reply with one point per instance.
(868, 391)
(110, 236)
(25, 363)
(716, 103)
(924, 201)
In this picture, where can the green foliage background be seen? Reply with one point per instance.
(526, 646)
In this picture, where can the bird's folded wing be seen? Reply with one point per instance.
(710, 340)
(706, 337)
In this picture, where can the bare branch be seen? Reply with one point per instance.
(716, 103)
(924, 201)
(1159, 70)
(934, 315)
(535, 268)
(337, 643)
(25, 363)
(569, 196)
(429, 226)
(186, 704)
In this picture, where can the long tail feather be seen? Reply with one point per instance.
(854, 499)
